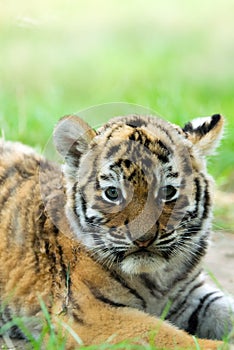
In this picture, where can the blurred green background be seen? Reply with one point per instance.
(175, 57)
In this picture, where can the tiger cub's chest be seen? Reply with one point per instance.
(144, 292)
(164, 290)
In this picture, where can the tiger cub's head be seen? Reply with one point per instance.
(138, 194)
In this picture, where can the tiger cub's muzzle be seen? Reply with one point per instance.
(147, 239)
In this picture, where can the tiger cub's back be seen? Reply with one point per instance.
(27, 226)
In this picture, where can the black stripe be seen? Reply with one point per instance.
(104, 177)
(112, 151)
(132, 175)
(65, 269)
(11, 191)
(193, 320)
(197, 251)
(36, 242)
(18, 167)
(207, 203)
(184, 276)
(124, 284)
(180, 308)
(209, 303)
(166, 241)
(162, 152)
(94, 220)
(91, 178)
(136, 122)
(138, 136)
(7, 173)
(77, 312)
(105, 300)
(52, 253)
(118, 240)
(193, 229)
(77, 318)
(83, 205)
(112, 128)
(215, 118)
(18, 212)
(166, 149)
(194, 213)
(98, 240)
(141, 137)
(99, 296)
(155, 290)
(74, 193)
(163, 158)
(165, 132)
(28, 203)
(115, 234)
(197, 196)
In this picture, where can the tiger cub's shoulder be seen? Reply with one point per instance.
(13, 154)
(19, 155)
(20, 163)
(8, 148)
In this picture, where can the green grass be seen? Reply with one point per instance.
(175, 58)
(56, 340)
(52, 339)
(60, 57)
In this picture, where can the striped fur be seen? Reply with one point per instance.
(116, 238)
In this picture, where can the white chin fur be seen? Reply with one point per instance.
(133, 266)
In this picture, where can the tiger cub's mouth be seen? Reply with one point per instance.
(140, 260)
(143, 252)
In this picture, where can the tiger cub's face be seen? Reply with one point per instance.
(138, 193)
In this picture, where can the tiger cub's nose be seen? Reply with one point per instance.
(147, 239)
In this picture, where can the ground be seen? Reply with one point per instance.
(220, 258)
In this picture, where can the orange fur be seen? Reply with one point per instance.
(35, 258)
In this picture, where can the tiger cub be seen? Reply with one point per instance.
(116, 236)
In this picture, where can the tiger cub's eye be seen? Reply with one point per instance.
(166, 193)
(112, 193)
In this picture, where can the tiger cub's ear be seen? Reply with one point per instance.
(205, 133)
(72, 136)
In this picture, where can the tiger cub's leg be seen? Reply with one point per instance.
(97, 322)
(205, 312)
(115, 325)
